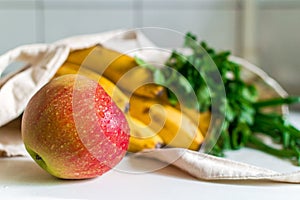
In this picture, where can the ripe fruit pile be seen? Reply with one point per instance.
(151, 126)
(82, 122)
(73, 129)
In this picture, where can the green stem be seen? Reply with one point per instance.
(276, 152)
(216, 151)
(271, 122)
(267, 125)
(276, 101)
(267, 130)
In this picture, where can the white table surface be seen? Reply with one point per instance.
(21, 178)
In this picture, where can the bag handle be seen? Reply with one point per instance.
(25, 53)
(43, 62)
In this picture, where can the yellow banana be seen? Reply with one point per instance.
(119, 68)
(139, 144)
(142, 137)
(98, 58)
(67, 68)
(201, 119)
(174, 127)
(114, 92)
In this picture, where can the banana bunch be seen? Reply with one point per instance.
(118, 68)
(173, 126)
(152, 121)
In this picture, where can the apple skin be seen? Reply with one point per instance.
(73, 129)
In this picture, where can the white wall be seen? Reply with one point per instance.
(278, 41)
(219, 22)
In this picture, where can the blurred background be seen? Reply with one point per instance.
(266, 32)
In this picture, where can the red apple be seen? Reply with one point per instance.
(72, 128)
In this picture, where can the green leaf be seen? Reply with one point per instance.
(159, 77)
(142, 63)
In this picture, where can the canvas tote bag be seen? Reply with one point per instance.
(41, 61)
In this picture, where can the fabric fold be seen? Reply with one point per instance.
(208, 167)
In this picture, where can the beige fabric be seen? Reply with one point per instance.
(44, 59)
(42, 62)
(10, 139)
(207, 167)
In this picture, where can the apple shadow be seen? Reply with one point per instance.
(141, 165)
(24, 171)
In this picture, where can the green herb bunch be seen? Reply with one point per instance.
(245, 118)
